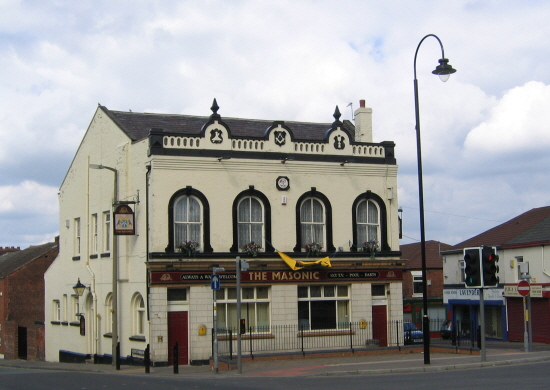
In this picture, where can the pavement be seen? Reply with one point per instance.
(384, 362)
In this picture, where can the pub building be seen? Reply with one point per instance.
(311, 208)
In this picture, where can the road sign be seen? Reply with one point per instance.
(524, 288)
(215, 282)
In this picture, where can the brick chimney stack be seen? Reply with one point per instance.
(363, 123)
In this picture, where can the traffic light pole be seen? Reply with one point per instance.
(482, 324)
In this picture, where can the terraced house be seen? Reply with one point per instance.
(153, 205)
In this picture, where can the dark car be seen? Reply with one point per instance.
(446, 330)
(412, 335)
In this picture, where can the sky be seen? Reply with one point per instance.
(485, 132)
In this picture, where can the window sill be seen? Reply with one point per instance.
(75, 323)
(248, 336)
(325, 332)
(76, 258)
(93, 256)
(65, 323)
(105, 255)
(137, 338)
(108, 335)
(55, 322)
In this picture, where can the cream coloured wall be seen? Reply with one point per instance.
(340, 184)
(84, 192)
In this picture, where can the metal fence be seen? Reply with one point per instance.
(350, 336)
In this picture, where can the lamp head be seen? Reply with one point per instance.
(79, 288)
(444, 70)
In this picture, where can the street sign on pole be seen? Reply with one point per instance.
(215, 282)
(524, 288)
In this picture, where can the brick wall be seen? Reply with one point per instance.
(25, 308)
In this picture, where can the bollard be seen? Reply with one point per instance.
(117, 356)
(147, 360)
(176, 358)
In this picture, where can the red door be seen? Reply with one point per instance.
(178, 328)
(380, 325)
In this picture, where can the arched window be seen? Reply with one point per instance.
(368, 222)
(187, 220)
(108, 322)
(312, 222)
(138, 315)
(250, 221)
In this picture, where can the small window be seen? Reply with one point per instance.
(93, 249)
(108, 323)
(77, 236)
(378, 290)
(138, 307)
(75, 307)
(177, 294)
(56, 315)
(106, 231)
(417, 283)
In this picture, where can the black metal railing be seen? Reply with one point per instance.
(350, 336)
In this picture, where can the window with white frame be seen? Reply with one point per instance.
(254, 308)
(106, 233)
(520, 267)
(323, 307)
(378, 290)
(56, 310)
(177, 294)
(93, 249)
(461, 266)
(187, 220)
(312, 222)
(108, 323)
(417, 283)
(138, 313)
(64, 308)
(75, 307)
(250, 221)
(77, 236)
(368, 222)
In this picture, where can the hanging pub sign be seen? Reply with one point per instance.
(124, 220)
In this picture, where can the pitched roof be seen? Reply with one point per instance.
(412, 253)
(529, 227)
(12, 261)
(137, 125)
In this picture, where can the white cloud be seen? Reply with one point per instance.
(519, 121)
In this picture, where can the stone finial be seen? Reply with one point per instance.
(215, 109)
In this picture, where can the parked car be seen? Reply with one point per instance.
(412, 334)
(446, 329)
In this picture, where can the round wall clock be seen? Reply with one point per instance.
(283, 183)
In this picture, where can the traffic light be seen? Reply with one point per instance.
(472, 267)
(489, 260)
(242, 324)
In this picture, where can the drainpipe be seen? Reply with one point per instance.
(95, 345)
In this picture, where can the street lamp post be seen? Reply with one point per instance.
(443, 70)
(114, 331)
